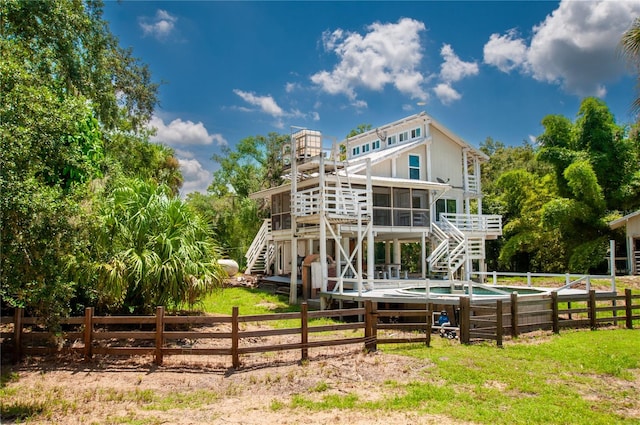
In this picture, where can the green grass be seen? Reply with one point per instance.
(578, 377)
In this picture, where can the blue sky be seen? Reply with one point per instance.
(484, 69)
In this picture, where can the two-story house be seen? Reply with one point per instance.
(342, 217)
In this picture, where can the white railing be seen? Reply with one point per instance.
(259, 242)
(438, 257)
(473, 184)
(485, 223)
(337, 200)
(475, 248)
(570, 280)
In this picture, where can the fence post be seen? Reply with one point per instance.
(159, 333)
(304, 325)
(235, 330)
(592, 309)
(499, 323)
(465, 318)
(628, 308)
(17, 334)
(514, 314)
(429, 323)
(368, 327)
(88, 333)
(554, 313)
(374, 324)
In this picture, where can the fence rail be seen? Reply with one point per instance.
(161, 335)
(158, 335)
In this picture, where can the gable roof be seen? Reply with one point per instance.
(432, 122)
(615, 224)
(360, 163)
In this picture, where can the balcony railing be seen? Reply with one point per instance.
(483, 223)
(334, 200)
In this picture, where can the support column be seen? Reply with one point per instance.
(371, 256)
(423, 254)
(293, 283)
(323, 229)
(387, 251)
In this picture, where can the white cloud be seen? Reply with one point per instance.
(266, 103)
(453, 68)
(506, 52)
(574, 47)
(446, 93)
(159, 26)
(179, 132)
(291, 87)
(386, 54)
(196, 178)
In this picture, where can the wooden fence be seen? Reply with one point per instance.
(163, 335)
(494, 321)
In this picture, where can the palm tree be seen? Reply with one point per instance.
(157, 250)
(630, 47)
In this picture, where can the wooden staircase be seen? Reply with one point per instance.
(260, 254)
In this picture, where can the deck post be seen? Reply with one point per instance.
(235, 330)
(499, 330)
(88, 333)
(628, 306)
(465, 318)
(554, 313)
(514, 314)
(304, 325)
(159, 334)
(17, 334)
(592, 309)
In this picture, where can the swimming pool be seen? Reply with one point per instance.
(479, 290)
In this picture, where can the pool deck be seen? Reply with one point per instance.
(413, 291)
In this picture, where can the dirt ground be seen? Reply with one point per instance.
(109, 391)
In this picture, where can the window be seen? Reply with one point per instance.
(404, 136)
(391, 140)
(415, 133)
(375, 145)
(365, 148)
(446, 206)
(281, 211)
(407, 207)
(414, 167)
(356, 151)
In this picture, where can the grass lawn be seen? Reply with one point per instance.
(577, 377)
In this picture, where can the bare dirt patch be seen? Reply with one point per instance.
(185, 391)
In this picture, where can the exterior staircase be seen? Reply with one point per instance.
(260, 254)
(458, 238)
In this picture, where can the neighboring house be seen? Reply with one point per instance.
(410, 181)
(631, 222)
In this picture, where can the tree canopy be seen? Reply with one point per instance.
(73, 118)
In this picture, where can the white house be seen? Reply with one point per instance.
(410, 181)
(631, 223)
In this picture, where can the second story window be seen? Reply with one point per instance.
(356, 151)
(375, 145)
(391, 140)
(415, 133)
(404, 136)
(365, 148)
(414, 167)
